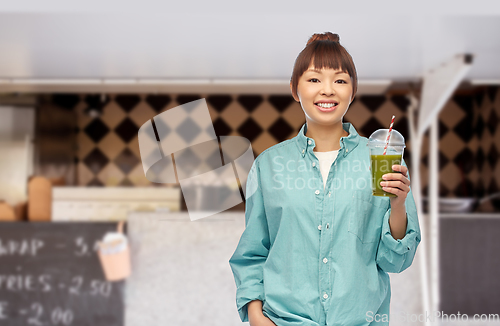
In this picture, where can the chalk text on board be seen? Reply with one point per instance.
(26, 247)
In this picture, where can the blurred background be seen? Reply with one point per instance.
(78, 80)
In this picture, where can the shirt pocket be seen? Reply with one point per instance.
(365, 220)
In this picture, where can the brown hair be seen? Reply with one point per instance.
(324, 51)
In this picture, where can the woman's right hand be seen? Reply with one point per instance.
(256, 316)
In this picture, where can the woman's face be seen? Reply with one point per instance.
(325, 95)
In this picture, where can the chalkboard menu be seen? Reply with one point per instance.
(469, 264)
(50, 275)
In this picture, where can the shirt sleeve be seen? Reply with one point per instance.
(251, 253)
(394, 256)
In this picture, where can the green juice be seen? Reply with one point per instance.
(380, 165)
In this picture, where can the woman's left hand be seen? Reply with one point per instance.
(397, 183)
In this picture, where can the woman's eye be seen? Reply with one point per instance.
(313, 79)
(342, 81)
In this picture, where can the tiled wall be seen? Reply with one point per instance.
(108, 153)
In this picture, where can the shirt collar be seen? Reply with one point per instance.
(347, 144)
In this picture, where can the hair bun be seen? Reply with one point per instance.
(325, 36)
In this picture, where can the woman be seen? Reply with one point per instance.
(318, 245)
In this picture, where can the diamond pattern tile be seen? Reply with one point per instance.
(451, 114)
(127, 102)
(162, 130)
(479, 127)
(126, 183)
(464, 129)
(491, 92)
(280, 130)
(250, 129)
(402, 126)
(96, 161)
(84, 174)
(464, 189)
(137, 177)
(493, 187)
(465, 102)
(478, 99)
(158, 102)
(385, 113)
(407, 158)
(186, 161)
(358, 115)
(219, 102)
(141, 113)
(493, 122)
(111, 145)
(250, 102)
(265, 115)
(188, 130)
(85, 145)
(442, 160)
(370, 126)
(112, 115)
(183, 99)
(294, 116)
(95, 183)
(126, 161)
(450, 176)
(234, 115)
(480, 189)
(96, 130)
(126, 130)
(465, 160)
(263, 142)
(480, 158)
(221, 128)
(492, 156)
(281, 102)
(111, 175)
(451, 144)
(442, 190)
(133, 145)
(372, 102)
(401, 101)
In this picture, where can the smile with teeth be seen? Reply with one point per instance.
(326, 105)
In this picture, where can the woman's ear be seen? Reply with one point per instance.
(291, 91)
(352, 99)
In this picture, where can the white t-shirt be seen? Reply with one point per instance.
(326, 160)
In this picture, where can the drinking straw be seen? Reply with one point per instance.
(388, 135)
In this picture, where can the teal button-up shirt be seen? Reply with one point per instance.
(318, 256)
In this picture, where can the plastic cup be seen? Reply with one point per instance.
(114, 255)
(382, 164)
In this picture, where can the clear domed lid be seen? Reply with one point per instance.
(379, 138)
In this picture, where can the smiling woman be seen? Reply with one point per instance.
(317, 246)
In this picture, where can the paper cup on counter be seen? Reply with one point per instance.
(114, 254)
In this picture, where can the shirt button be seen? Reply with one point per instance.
(303, 151)
(325, 296)
(314, 164)
(319, 227)
(325, 260)
(327, 225)
(347, 149)
(317, 192)
(329, 194)
(309, 142)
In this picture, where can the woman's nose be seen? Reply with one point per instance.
(327, 89)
